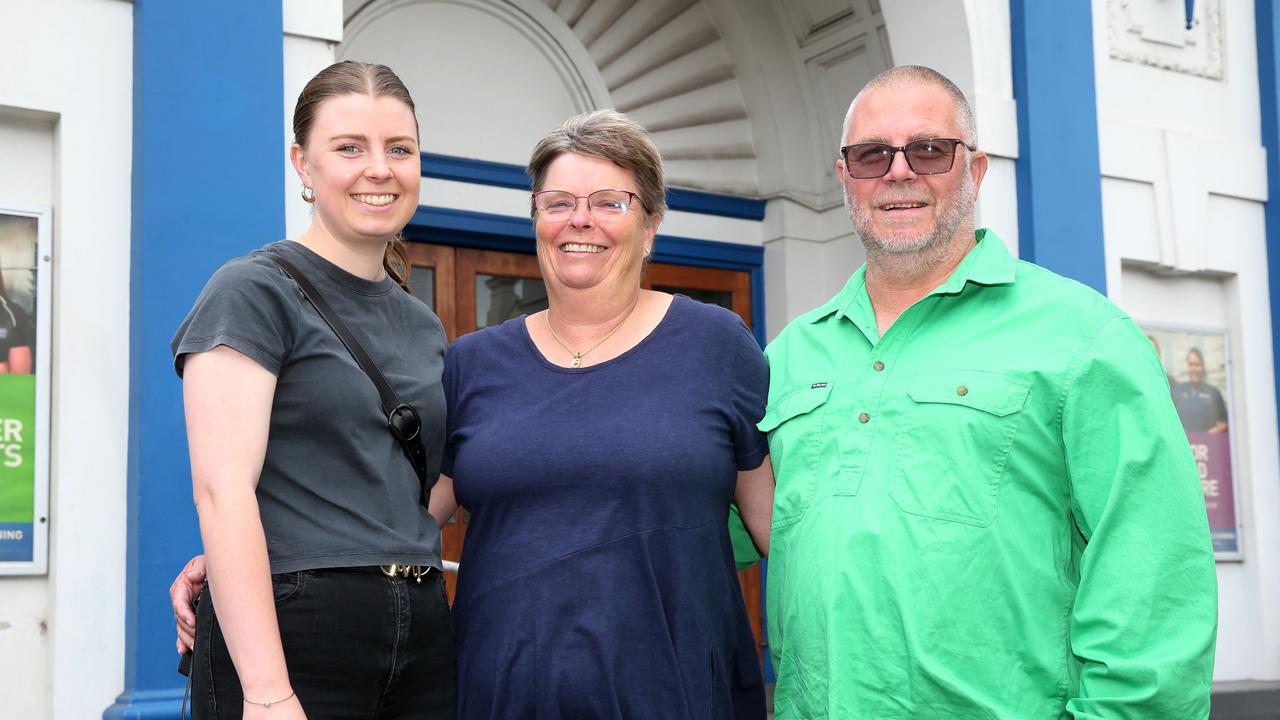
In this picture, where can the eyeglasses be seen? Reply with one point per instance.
(557, 204)
(931, 156)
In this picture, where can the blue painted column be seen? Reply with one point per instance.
(207, 185)
(1267, 20)
(1059, 178)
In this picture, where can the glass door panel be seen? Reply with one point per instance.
(432, 279)
(723, 298)
(493, 287)
(422, 283)
(502, 297)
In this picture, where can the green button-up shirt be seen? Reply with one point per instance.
(991, 511)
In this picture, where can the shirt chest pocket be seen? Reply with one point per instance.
(794, 424)
(954, 438)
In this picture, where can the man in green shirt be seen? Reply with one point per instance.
(985, 505)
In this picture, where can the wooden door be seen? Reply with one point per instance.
(469, 290)
(473, 289)
(432, 280)
(729, 289)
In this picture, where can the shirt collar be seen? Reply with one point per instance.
(987, 263)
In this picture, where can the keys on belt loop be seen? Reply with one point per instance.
(405, 571)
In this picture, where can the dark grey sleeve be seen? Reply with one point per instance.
(249, 306)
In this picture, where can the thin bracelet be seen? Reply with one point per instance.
(269, 703)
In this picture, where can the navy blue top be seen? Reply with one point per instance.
(597, 574)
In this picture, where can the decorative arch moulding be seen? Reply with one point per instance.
(544, 30)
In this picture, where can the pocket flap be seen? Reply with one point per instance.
(993, 392)
(794, 403)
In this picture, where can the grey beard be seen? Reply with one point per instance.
(925, 252)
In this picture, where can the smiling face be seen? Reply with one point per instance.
(1195, 368)
(903, 212)
(585, 251)
(361, 158)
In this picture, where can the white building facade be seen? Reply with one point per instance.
(1128, 151)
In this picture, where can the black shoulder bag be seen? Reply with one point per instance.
(402, 419)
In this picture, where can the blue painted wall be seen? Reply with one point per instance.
(485, 172)
(1267, 17)
(207, 185)
(1059, 178)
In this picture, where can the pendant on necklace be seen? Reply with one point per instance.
(577, 360)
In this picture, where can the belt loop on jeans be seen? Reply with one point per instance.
(417, 572)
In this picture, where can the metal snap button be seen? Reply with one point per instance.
(864, 418)
(962, 391)
(878, 366)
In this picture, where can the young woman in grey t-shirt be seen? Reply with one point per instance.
(323, 567)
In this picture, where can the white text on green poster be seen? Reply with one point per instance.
(17, 466)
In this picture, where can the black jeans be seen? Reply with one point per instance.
(358, 644)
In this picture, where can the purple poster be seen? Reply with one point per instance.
(1197, 367)
(1212, 452)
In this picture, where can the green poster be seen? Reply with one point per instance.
(17, 448)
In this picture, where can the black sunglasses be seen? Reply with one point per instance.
(931, 156)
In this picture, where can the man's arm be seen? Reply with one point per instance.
(1145, 616)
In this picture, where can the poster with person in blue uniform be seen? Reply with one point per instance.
(18, 488)
(1197, 366)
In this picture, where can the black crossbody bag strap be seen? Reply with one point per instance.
(402, 419)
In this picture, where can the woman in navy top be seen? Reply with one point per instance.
(597, 445)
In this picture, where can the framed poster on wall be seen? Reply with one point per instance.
(1197, 364)
(24, 389)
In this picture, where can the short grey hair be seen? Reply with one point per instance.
(608, 135)
(906, 75)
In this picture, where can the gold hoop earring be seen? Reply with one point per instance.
(308, 194)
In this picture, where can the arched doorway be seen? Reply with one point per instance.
(743, 98)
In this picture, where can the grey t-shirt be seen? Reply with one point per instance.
(336, 488)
